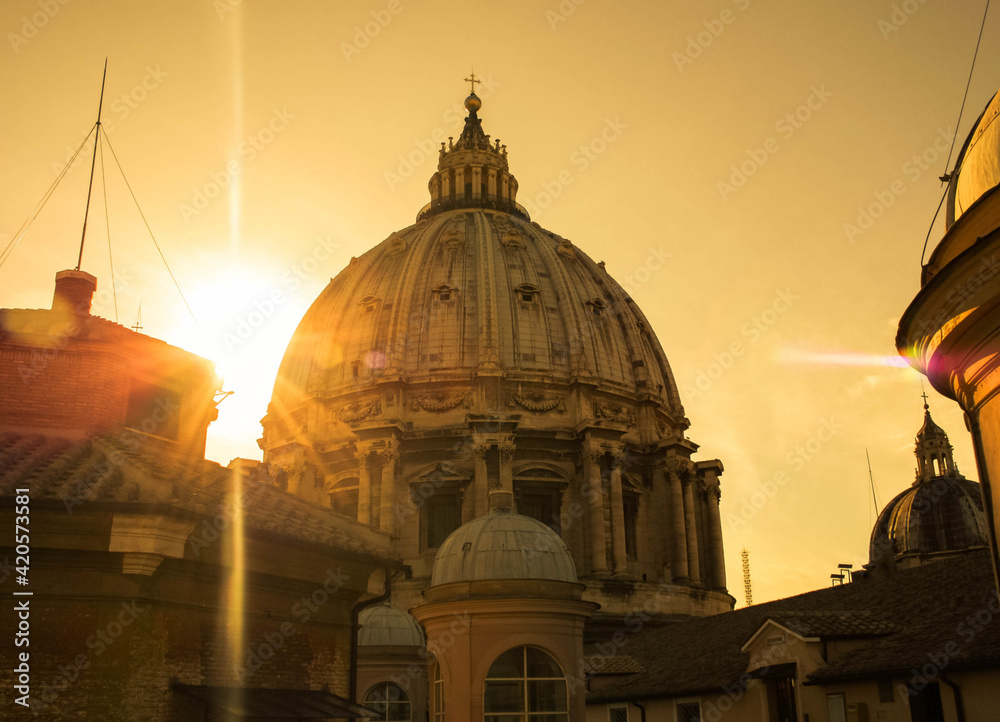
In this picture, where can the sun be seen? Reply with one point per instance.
(244, 323)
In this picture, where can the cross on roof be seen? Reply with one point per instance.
(924, 394)
(472, 79)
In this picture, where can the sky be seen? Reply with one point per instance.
(760, 176)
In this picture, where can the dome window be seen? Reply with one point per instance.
(526, 293)
(368, 304)
(596, 306)
(444, 293)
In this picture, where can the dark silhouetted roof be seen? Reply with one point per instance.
(109, 470)
(908, 614)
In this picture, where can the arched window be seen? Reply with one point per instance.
(389, 700)
(525, 683)
(438, 714)
(344, 497)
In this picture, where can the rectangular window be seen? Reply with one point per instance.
(618, 714)
(443, 515)
(885, 693)
(630, 503)
(153, 409)
(689, 712)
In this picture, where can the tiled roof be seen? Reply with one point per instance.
(834, 623)
(912, 613)
(611, 664)
(102, 470)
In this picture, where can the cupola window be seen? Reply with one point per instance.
(368, 304)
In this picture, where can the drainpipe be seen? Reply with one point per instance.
(957, 691)
(642, 712)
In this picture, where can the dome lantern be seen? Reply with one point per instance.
(472, 171)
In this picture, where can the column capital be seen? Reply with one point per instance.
(506, 447)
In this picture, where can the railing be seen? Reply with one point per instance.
(493, 202)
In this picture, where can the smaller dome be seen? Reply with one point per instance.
(502, 545)
(387, 626)
(943, 514)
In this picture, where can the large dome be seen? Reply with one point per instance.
(467, 293)
(502, 545)
(474, 351)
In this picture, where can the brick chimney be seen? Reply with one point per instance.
(74, 292)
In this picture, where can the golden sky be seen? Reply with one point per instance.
(717, 155)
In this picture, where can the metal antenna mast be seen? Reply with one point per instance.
(93, 162)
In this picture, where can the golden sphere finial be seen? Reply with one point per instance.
(473, 103)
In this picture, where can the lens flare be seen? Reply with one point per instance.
(838, 358)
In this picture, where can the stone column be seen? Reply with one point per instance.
(445, 185)
(717, 573)
(460, 182)
(691, 526)
(506, 448)
(389, 510)
(364, 486)
(679, 558)
(491, 183)
(480, 484)
(477, 179)
(595, 496)
(618, 512)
